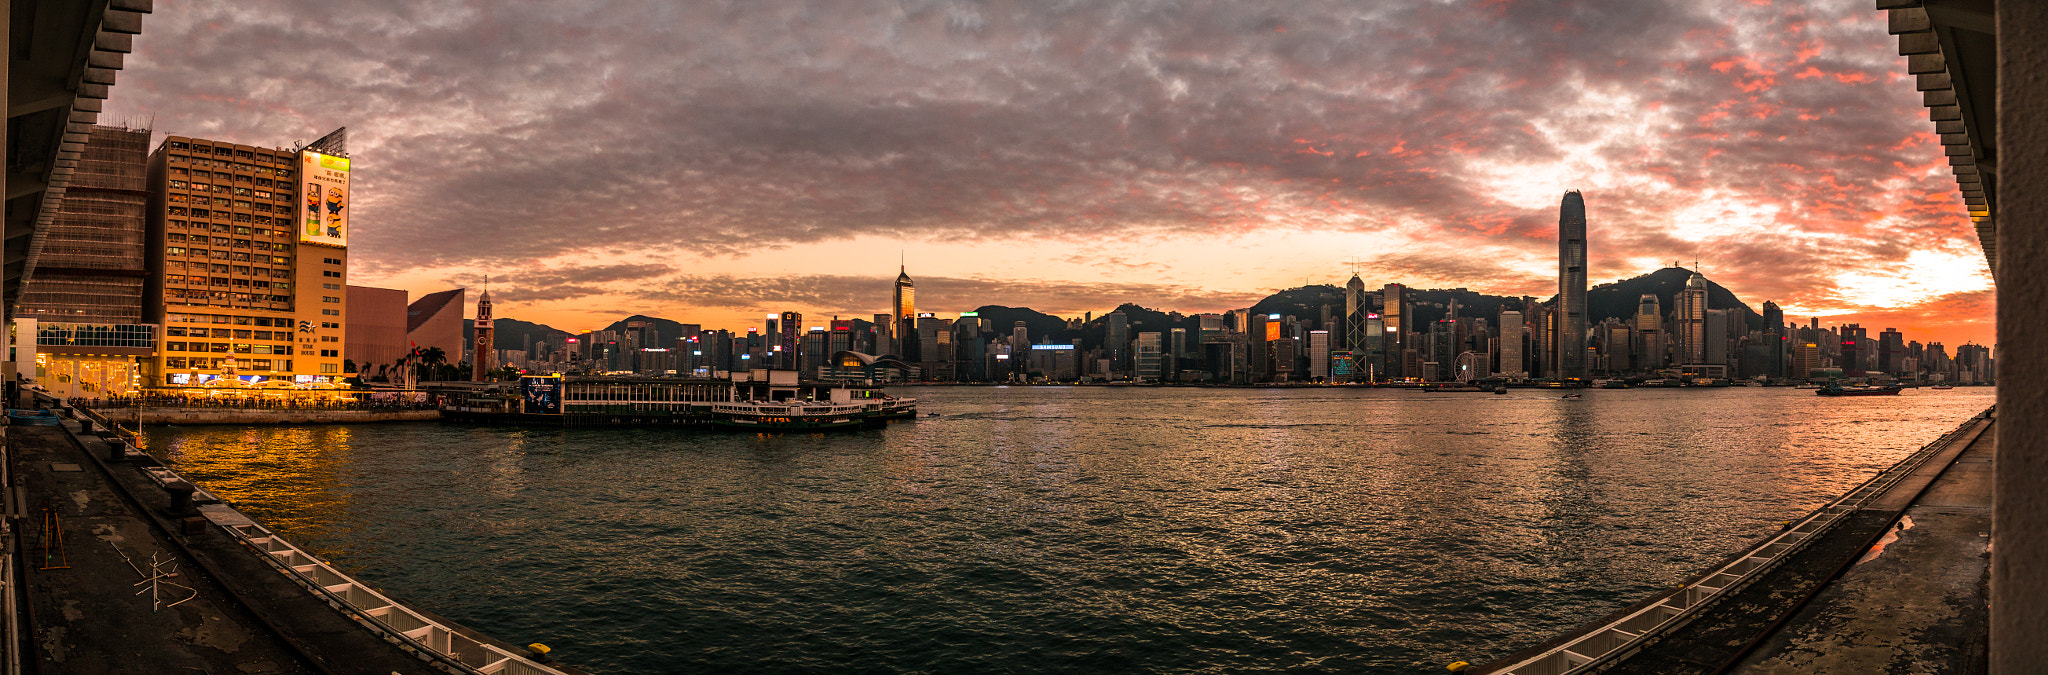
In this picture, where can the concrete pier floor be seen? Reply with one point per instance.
(232, 614)
(1915, 604)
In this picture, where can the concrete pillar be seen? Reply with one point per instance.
(2019, 559)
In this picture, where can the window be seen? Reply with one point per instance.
(174, 332)
(331, 261)
(259, 364)
(330, 312)
(263, 335)
(175, 362)
(242, 230)
(244, 349)
(330, 338)
(329, 324)
(330, 273)
(329, 368)
(242, 334)
(330, 298)
(221, 332)
(174, 346)
(175, 250)
(331, 287)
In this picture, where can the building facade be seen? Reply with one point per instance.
(248, 262)
(1571, 287)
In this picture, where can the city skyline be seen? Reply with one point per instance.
(1072, 161)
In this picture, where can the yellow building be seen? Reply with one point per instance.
(248, 262)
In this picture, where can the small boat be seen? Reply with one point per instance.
(1839, 390)
(1941, 386)
(1807, 386)
(1571, 396)
(1500, 389)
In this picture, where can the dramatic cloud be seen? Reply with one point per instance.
(1198, 150)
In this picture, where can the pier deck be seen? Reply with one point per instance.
(244, 618)
(1897, 585)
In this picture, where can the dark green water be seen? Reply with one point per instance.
(1069, 529)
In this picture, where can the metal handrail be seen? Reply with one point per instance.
(362, 616)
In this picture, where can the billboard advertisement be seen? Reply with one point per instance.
(323, 197)
(543, 393)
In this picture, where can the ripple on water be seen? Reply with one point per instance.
(1059, 530)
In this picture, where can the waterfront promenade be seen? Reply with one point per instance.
(95, 526)
(1897, 584)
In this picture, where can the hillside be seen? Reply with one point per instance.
(1618, 300)
(514, 334)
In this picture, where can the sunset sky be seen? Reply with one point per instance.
(709, 162)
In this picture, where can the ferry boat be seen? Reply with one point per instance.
(1941, 386)
(1839, 390)
(758, 400)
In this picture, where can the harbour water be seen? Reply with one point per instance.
(1069, 529)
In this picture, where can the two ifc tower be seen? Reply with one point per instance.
(1571, 287)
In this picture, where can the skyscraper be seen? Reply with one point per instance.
(1571, 287)
(1689, 323)
(1394, 319)
(792, 332)
(904, 333)
(1510, 348)
(1117, 340)
(1650, 335)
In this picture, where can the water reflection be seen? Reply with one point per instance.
(1069, 529)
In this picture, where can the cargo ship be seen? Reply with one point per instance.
(1839, 390)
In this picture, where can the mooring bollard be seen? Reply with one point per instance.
(84, 425)
(117, 449)
(181, 499)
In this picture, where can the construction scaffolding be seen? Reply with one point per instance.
(92, 265)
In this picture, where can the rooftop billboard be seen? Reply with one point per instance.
(324, 213)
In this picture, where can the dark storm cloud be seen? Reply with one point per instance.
(854, 296)
(497, 133)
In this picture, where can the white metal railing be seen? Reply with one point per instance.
(1605, 644)
(394, 620)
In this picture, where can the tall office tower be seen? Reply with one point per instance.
(904, 332)
(1542, 340)
(1319, 354)
(790, 339)
(1117, 340)
(1355, 309)
(1177, 354)
(1689, 323)
(1151, 362)
(1620, 346)
(79, 321)
(885, 334)
(1774, 318)
(1257, 335)
(1571, 287)
(1717, 336)
(1510, 348)
(1855, 343)
(1442, 350)
(249, 259)
(1374, 358)
(1395, 317)
(1650, 344)
(1891, 351)
(486, 339)
(1805, 354)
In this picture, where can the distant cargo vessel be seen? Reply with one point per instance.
(1839, 390)
(758, 400)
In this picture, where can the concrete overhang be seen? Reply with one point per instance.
(1951, 50)
(62, 59)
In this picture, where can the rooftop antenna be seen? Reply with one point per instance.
(1353, 263)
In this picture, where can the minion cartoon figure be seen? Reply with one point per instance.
(312, 210)
(336, 201)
